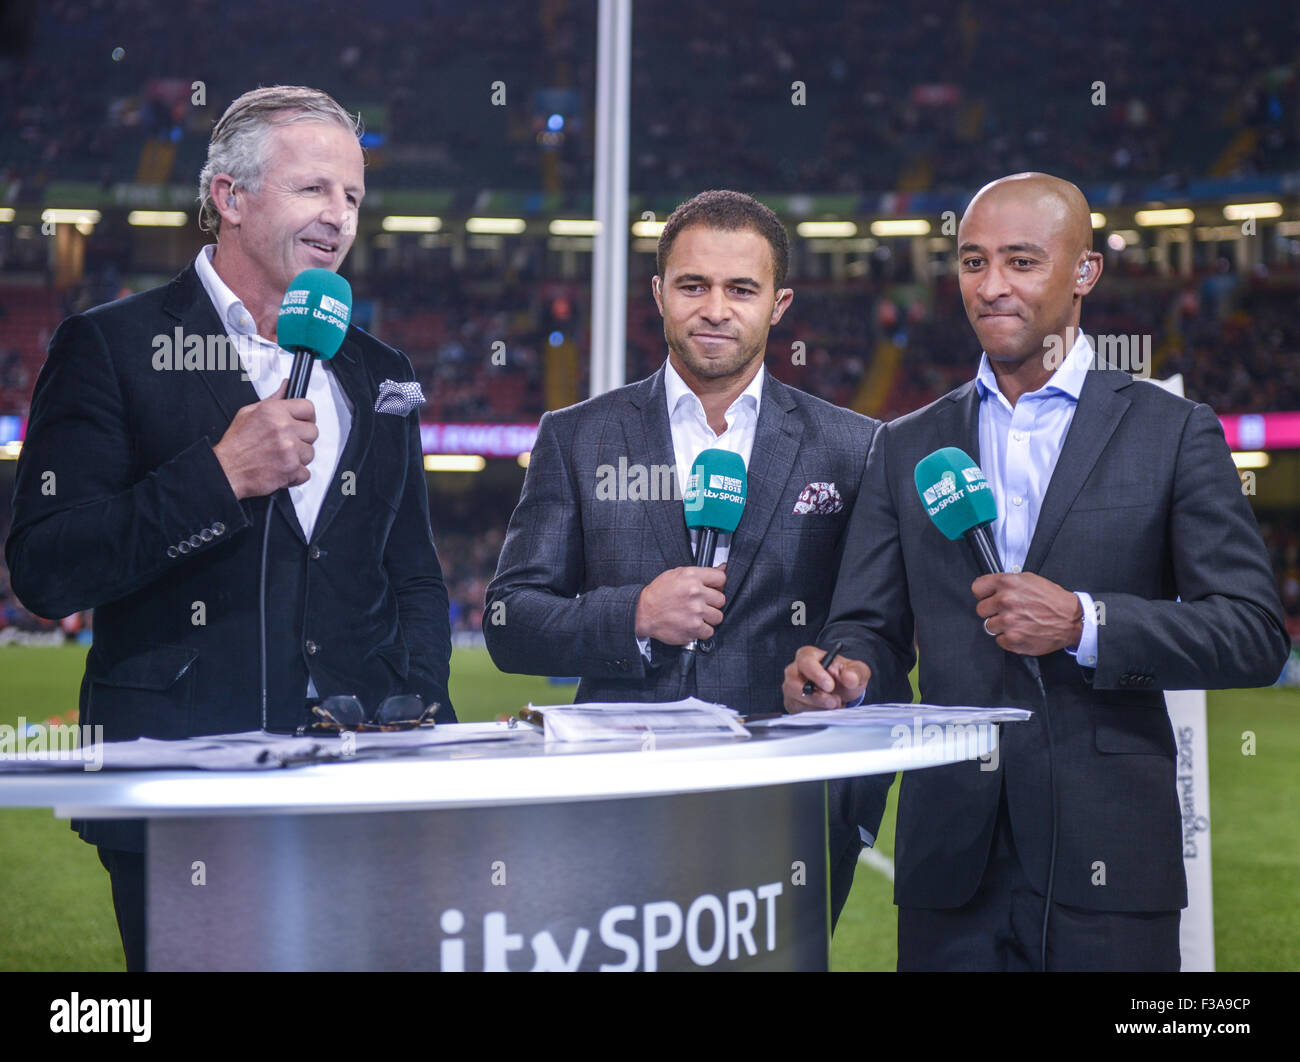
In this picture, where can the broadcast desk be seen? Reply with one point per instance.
(503, 854)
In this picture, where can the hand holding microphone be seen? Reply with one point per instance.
(269, 443)
(685, 604)
(1026, 613)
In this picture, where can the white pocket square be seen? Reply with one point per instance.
(820, 498)
(399, 397)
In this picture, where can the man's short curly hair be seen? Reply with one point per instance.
(729, 211)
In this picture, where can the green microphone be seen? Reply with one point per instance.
(960, 501)
(313, 322)
(714, 499)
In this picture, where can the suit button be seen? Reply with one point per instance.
(172, 551)
(705, 645)
(195, 541)
(311, 648)
(184, 547)
(206, 534)
(218, 528)
(314, 553)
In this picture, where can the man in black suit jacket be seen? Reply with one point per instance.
(144, 488)
(1140, 517)
(597, 576)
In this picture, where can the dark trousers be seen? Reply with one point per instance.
(843, 863)
(126, 872)
(1001, 928)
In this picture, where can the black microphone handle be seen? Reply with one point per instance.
(705, 546)
(300, 375)
(985, 549)
(986, 556)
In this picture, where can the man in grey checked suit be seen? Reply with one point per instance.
(597, 576)
(1133, 565)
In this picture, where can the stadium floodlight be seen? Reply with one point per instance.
(167, 219)
(574, 227)
(1165, 216)
(1242, 211)
(9, 451)
(1098, 220)
(1250, 458)
(523, 459)
(826, 229)
(454, 463)
(6, 213)
(411, 223)
(650, 229)
(901, 227)
(495, 226)
(70, 216)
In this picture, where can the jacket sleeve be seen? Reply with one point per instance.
(870, 611)
(85, 530)
(1227, 630)
(415, 575)
(538, 619)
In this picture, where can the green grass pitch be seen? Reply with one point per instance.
(59, 915)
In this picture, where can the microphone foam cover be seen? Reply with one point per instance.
(715, 490)
(954, 492)
(315, 313)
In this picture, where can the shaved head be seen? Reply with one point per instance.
(1049, 197)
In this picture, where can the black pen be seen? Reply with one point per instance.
(808, 686)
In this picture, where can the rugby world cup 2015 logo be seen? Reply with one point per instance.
(946, 485)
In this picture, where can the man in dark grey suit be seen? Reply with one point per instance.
(597, 575)
(1132, 564)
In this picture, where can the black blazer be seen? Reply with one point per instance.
(1144, 506)
(120, 505)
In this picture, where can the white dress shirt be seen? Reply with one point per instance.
(266, 365)
(691, 434)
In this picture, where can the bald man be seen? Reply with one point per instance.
(1132, 565)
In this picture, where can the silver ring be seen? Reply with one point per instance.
(986, 629)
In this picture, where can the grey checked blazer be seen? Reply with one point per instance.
(573, 564)
(574, 561)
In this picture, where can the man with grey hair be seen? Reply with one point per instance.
(180, 504)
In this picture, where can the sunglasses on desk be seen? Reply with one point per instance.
(344, 711)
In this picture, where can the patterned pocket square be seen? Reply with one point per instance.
(399, 398)
(820, 498)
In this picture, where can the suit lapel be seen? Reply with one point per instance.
(776, 443)
(1095, 419)
(188, 304)
(354, 379)
(963, 427)
(187, 301)
(655, 443)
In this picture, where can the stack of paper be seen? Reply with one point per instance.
(639, 721)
